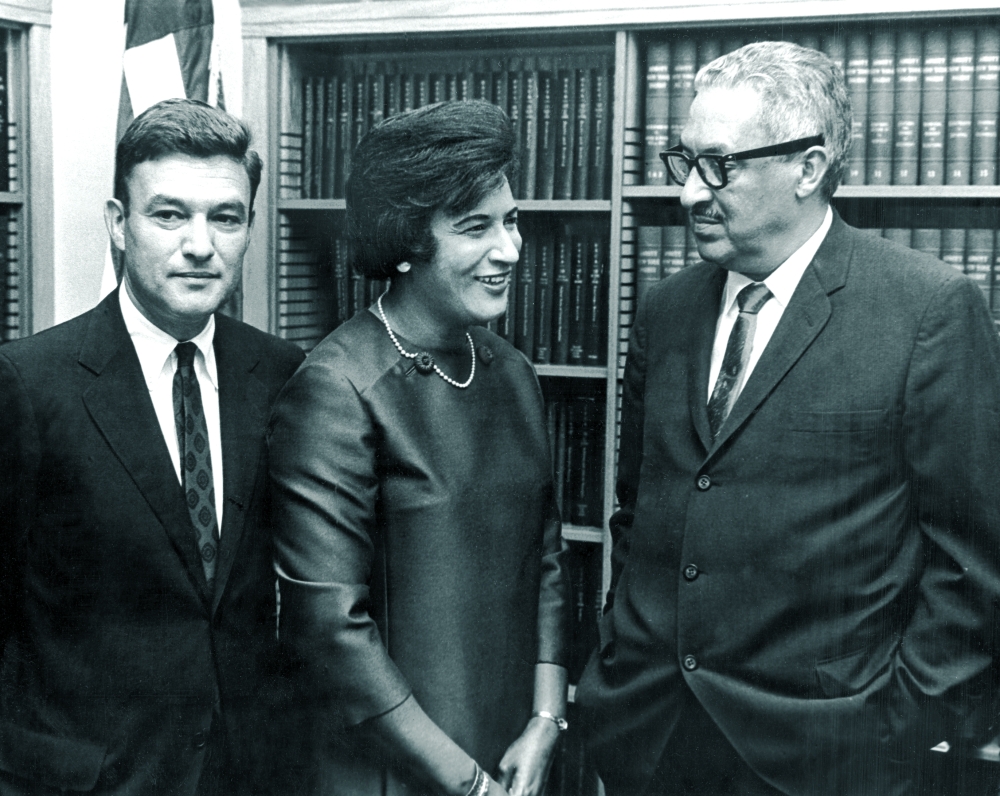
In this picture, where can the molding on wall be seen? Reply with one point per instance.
(338, 18)
(28, 12)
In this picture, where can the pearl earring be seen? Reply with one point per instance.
(403, 267)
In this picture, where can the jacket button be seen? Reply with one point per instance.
(690, 663)
(200, 739)
(690, 572)
(703, 483)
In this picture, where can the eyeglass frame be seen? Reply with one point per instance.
(786, 148)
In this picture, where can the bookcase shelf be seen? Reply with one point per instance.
(324, 40)
(574, 533)
(888, 192)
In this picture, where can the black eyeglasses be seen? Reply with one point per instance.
(712, 168)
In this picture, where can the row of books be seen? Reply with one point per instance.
(560, 106)
(11, 269)
(8, 129)
(925, 102)
(556, 313)
(662, 251)
(575, 426)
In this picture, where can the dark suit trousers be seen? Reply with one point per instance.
(700, 761)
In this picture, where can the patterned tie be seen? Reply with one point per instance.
(196, 458)
(734, 362)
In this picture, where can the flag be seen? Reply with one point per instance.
(177, 48)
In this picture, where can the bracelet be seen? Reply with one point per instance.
(480, 783)
(561, 723)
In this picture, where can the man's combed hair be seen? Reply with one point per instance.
(184, 127)
(448, 157)
(802, 93)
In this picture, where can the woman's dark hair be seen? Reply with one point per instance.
(184, 127)
(449, 157)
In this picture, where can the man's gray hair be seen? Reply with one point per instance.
(802, 93)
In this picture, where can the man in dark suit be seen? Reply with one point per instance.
(138, 595)
(805, 566)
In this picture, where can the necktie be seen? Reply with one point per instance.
(734, 362)
(196, 458)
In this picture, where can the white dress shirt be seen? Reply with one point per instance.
(158, 359)
(782, 283)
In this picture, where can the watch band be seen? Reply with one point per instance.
(560, 722)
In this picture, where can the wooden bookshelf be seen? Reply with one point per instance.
(290, 41)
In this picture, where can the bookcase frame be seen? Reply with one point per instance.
(28, 26)
(270, 26)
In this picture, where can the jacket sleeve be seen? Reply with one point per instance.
(324, 490)
(952, 447)
(630, 449)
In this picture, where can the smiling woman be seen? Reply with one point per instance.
(418, 543)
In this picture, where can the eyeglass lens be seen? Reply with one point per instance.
(709, 168)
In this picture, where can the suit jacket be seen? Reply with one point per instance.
(116, 657)
(823, 577)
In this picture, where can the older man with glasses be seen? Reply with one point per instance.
(805, 584)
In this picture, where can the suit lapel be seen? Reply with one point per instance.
(243, 414)
(704, 306)
(804, 317)
(119, 404)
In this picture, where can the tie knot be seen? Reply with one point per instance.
(185, 354)
(753, 297)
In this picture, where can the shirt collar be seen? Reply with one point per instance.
(785, 278)
(155, 347)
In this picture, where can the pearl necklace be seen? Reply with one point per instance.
(423, 361)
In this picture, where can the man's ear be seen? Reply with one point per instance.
(114, 220)
(813, 169)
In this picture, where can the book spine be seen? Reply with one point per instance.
(958, 142)
(319, 139)
(880, 109)
(578, 300)
(308, 133)
(342, 280)
(986, 107)
(360, 126)
(546, 129)
(600, 165)
(584, 113)
(580, 508)
(344, 116)
(596, 327)
(393, 90)
(857, 77)
(524, 311)
(561, 299)
(529, 140)
(979, 258)
(835, 47)
(709, 49)
(657, 127)
(501, 86)
(565, 127)
(683, 59)
(649, 264)
(515, 109)
(674, 244)
(906, 160)
(330, 125)
(933, 107)
(953, 248)
(544, 276)
(376, 94)
(508, 326)
(927, 241)
(438, 92)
